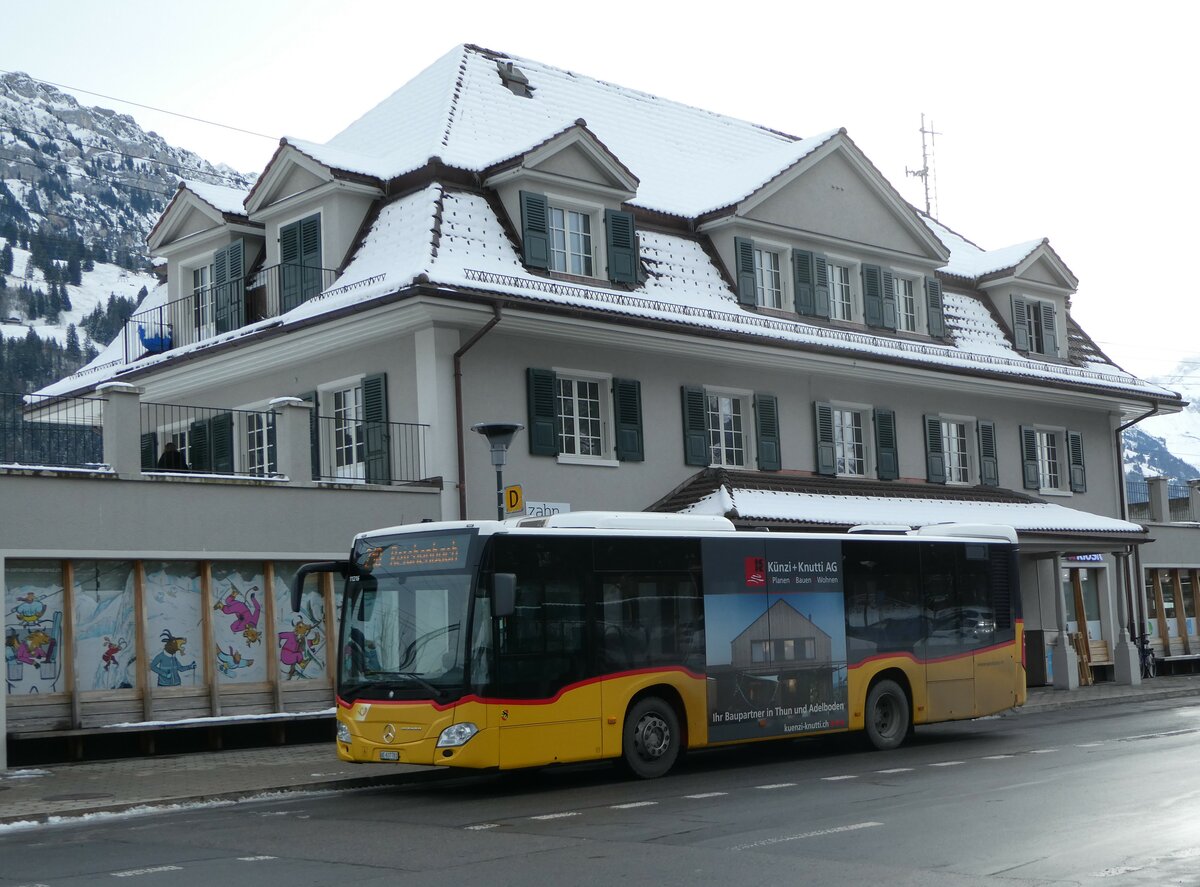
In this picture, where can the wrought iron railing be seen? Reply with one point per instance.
(52, 432)
(358, 451)
(208, 440)
(1179, 503)
(221, 308)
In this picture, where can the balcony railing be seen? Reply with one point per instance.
(51, 432)
(207, 440)
(357, 451)
(1179, 503)
(222, 308)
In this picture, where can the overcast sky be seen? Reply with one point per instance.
(1068, 120)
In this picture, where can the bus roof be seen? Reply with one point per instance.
(696, 524)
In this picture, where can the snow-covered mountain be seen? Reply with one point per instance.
(1169, 446)
(80, 189)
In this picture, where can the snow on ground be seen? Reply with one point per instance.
(97, 286)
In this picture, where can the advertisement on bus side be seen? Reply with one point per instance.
(775, 637)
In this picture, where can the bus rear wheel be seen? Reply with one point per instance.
(651, 738)
(888, 716)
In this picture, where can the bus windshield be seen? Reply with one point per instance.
(403, 616)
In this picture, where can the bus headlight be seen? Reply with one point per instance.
(343, 732)
(456, 735)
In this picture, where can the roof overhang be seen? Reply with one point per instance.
(185, 205)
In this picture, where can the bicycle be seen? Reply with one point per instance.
(1146, 656)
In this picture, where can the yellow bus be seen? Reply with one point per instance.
(593, 635)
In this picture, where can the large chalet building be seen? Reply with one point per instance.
(687, 312)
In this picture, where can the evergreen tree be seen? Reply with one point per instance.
(6, 259)
(73, 350)
(74, 271)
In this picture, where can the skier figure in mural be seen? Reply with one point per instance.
(296, 647)
(109, 656)
(245, 615)
(29, 609)
(232, 660)
(166, 665)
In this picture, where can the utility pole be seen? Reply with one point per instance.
(923, 173)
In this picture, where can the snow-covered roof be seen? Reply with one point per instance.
(222, 198)
(971, 261)
(833, 510)
(689, 161)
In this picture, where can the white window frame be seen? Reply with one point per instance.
(603, 381)
(1060, 469)
(865, 414)
(969, 453)
(900, 283)
(206, 296)
(769, 285)
(1034, 329)
(835, 289)
(743, 399)
(355, 471)
(255, 442)
(595, 214)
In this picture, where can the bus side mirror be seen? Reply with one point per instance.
(297, 589)
(504, 594)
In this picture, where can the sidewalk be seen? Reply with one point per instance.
(63, 791)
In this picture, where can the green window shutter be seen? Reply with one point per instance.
(802, 279)
(872, 278)
(220, 430)
(200, 446)
(1020, 320)
(826, 451)
(743, 253)
(229, 282)
(1049, 328)
(695, 428)
(887, 284)
(766, 418)
(887, 459)
(314, 434)
(541, 387)
(934, 308)
(377, 431)
(1029, 458)
(149, 451)
(627, 407)
(1075, 456)
(989, 467)
(290, 272)
(535, 230)
(622, 246)
(935, 451)
(820, 286)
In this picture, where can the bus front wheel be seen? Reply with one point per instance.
(888, 717)
(651, 739)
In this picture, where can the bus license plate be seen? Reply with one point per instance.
(389, 756)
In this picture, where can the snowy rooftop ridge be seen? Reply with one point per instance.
(223, 198)
(459, 111)
(971, 261)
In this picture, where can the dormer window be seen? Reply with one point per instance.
(1034, 326)
(768, 285)
(841, 297)
(557, 235)
(570, 241)
(906, 304)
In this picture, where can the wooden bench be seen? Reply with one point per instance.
(1178, 661)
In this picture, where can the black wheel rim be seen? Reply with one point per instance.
(887, 717)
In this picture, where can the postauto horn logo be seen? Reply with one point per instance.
(756, 571)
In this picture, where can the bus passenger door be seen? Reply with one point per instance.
(949, 660)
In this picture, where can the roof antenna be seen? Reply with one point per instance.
(923, 172)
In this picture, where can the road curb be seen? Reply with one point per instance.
(1055, 705)
(150, 805)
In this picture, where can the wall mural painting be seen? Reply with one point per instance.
(174, 626)
(33, 627)
(300, 636)
(237, 589)
(105, 625)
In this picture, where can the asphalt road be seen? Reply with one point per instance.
(1106, 796)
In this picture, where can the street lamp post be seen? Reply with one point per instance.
(499, 435)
